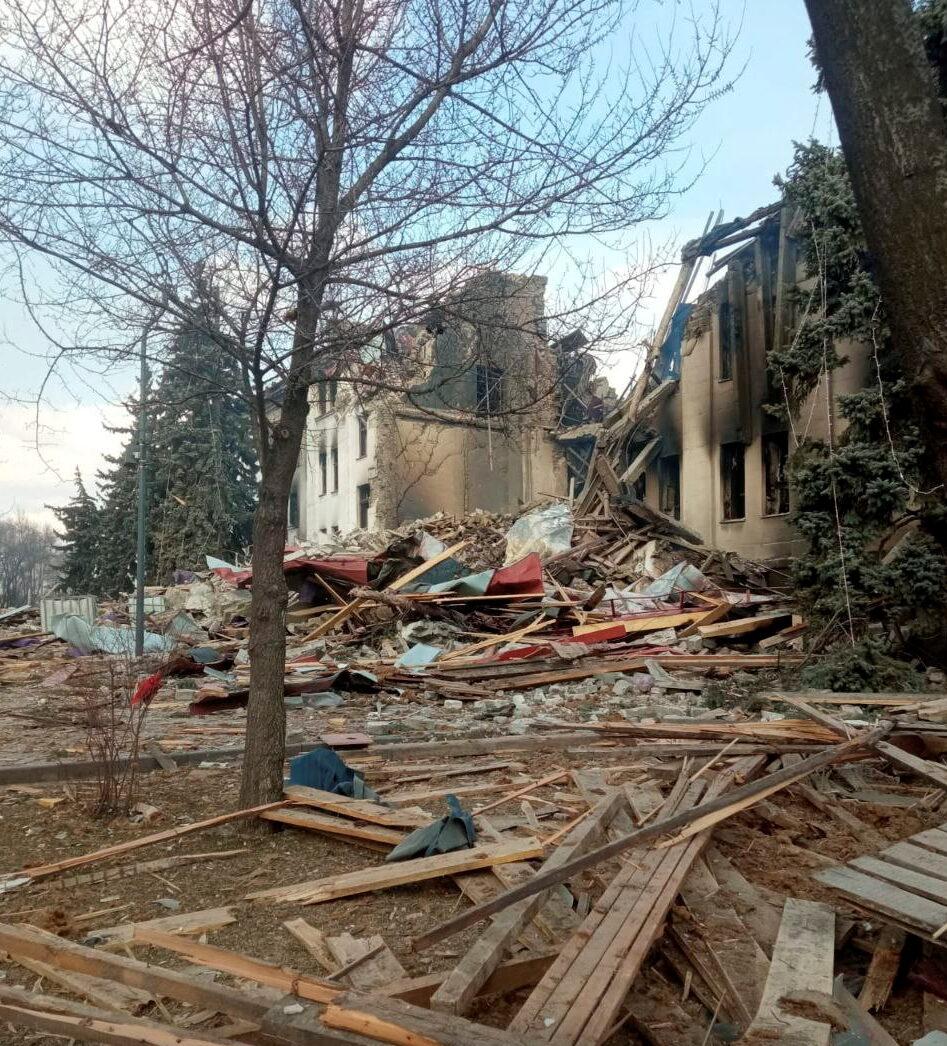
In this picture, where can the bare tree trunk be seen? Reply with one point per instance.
(895, 143)
(262, 779)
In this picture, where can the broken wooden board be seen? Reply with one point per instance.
(398, 873)
(181, 922)
(366, 962)
(45, 870)
(883, 969)
(375, 837)
(904, 884)
(803, 959)
(356, 809)
(314, 941)
(77, 1022)
(743, 625)
(102, 993)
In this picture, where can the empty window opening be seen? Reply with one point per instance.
(489, 390)
(323, 472)
(640, 486)
(333, 391)
(363, 497)
(362, 436)
(335, 470)
(322, 396)
(669, 485)
(733, 480)
(776, 473)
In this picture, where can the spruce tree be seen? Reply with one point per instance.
(118, 494)
(78, 542)
(203, 464)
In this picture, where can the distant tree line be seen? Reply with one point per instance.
(201, 479)
(27, 560)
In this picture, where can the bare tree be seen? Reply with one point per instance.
(302, 154)
(27, 554)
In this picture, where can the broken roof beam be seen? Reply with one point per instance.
(727, 233)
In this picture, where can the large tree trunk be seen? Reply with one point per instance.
(895, 143)
(262, 780)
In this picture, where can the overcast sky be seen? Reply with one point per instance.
(747, 136)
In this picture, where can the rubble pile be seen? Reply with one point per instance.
(587, 730)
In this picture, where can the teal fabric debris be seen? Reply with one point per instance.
(469, 585)
(683, 577)
(419, 655)
(91, 639)
(454, 832)
(323, 769)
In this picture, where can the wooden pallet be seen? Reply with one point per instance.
(904, 884)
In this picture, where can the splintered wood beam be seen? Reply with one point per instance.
(686, 823)
(80, 1023)
(44, 870)
(290, 982)
(398, 873)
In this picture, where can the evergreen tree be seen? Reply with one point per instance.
(118, 530)
(78, 542)
(203, 464)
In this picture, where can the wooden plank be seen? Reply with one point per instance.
(23, 941)
(398, 873)
(314, 941)
(907, 855)
(355, 809)
(932, 772)
(712, 616)
(706, 814)
(423, 568)
(44, 870)
(908, 879)
(102, 993)
(885, 899)
(290, 982)
(743, 626)
(650, 623)
(641, 461)
(180, 922)
(803, 959)
(933, 839)
(374, 836)
(883, 969)
(860, 1021)
(378, 964)
(525, 790)
(761, 917)
(76, 1022)
(831, 697)
(390, 1020)
(521, 972)
(471, 973)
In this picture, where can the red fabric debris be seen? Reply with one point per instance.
(524, 577)
(147, 688)
(353, 569)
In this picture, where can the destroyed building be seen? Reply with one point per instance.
(697, 439)
(474, 429)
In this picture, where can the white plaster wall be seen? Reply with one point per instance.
(335, 509)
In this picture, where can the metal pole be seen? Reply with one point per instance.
(142, 491)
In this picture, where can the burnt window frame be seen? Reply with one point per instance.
(733, 450)
(489, 389)
(363, 504)
(664, 464)
(782, 484)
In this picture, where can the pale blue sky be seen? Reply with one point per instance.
(745, 135)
